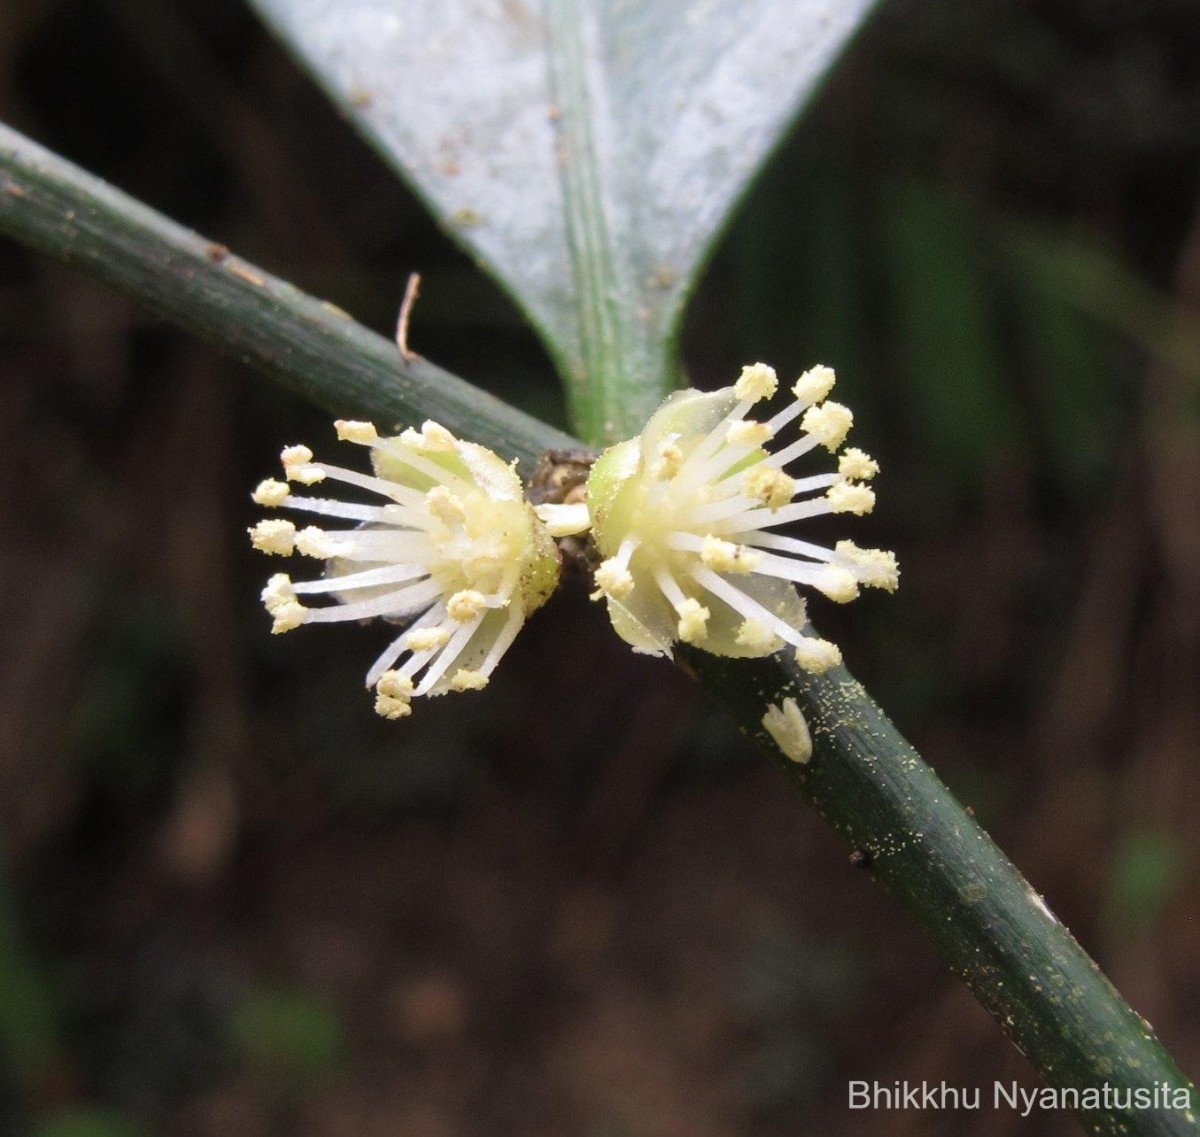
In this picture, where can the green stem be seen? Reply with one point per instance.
(995, 931)
(306, 344)
(864, 779)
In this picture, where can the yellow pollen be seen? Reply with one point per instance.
(748, 433)
(851, 497)
(394, 685)
(278, 592)
(360, 432)
(818, 656)
(275, 537)
(427, 639)
(392, 709)
(757, 381)
(828, 423)
(771, 486)
(286, 617)
(445, 506)
(298, 467)
(295, 456)
(815, 384)
(270, 493)
(465, 680)
(857, 464)
(693, 621)
(876, 568)
(725, 556)
(786, 726)
(756, 636)
(612, 580)
(466, 605)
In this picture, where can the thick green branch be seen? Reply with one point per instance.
(308, 345)
(995, 931)
(864, 779)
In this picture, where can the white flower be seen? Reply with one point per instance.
(454, 552)
(682, 515)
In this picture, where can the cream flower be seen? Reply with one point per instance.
(682, 515)
(454, 552)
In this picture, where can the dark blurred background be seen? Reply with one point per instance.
(234, 902)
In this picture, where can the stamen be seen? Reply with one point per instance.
(828, 423)
(797, 511)
(763, 540)
(380, 486)
(725, 556)
(857, 465)
(399, 603)
(399, 645)
(276, 537)
(851, 497)
(815, 384)
(271, 493)
(347, 510)
(693, 621)
(817, 656)
(757, 381)
(369, 578)
(453, 649)
(744, 605)
(749, 434)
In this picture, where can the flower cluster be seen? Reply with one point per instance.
(683, 513)
(454, 552)
(683, 516)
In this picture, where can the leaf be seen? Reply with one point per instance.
(588, 151)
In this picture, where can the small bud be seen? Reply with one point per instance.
(785, 724)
